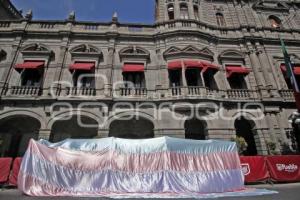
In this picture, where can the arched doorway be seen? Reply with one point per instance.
(15, 133)
(135, 128)
(245, 128)
(195, 129)
(71, 128)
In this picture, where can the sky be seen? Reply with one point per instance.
(133, 11)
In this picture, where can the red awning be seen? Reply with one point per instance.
(133, 67)
(82, 66)
(234, 69)
(192, 63)
(175, 65)
(208, 66)
(30, 65)
(296, 69)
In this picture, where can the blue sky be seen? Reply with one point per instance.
(141, 11)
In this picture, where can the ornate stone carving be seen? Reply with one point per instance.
(189, 51)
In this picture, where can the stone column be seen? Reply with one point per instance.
(271, 130)
(255, 67)
(267, 70)
(109, 70)
(260, 137)
(191, 10)
(184, 82)
(44, 134)
(102, 133)
(60, 67)
(281, 127)
(176, 10)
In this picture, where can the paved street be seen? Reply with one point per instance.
(286, 192)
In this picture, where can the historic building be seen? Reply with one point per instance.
(204, 70)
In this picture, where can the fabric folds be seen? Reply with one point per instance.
(110, 166)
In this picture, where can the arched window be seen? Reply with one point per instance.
(184, 11)
(275, 22)
(196, 13)
(171, 12)
(220, 19)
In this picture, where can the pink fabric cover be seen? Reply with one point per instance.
(112, 166)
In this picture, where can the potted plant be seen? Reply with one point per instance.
(241, 144)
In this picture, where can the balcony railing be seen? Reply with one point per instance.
(195, 90)
(80, 91)
(133, 91)
(176, 91)
(240, 94)
(287, 94)
(25, 91)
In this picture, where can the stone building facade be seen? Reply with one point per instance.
(204, 70)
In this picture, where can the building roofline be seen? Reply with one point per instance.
(11, 8)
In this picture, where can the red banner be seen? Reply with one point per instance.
(5, 164)
(13, 178)
(284, 168)
(254, 168)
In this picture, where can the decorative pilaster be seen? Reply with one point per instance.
(44, 134)
(267, 70)
(184, 82)
(60, 67)
(176, 10)
(272, 133)
(255, 67)
(102, 133)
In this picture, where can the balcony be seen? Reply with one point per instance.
(79, 91)
(23, 91)
(133, 92)
(287, 94)
(241, 94)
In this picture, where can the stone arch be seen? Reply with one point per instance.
(29, 113)
(15, 133)
(85, 48)
(247, 115)
(78, 125)
(119, 115)
(35, 47)
(67, 114)
(231, 55)
(134, 50)
(195, 129)
(131, 124)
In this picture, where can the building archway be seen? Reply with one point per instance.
(135, 128)
(245, 128)
(195, 129)
(15, 134)
(71, 128)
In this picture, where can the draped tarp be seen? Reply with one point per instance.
(113, 166)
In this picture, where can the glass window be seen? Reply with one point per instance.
(275, 22)
(171, 12)
(184, 11)
(83, 79)
(31, 77)
(196, 13)
(137, 79)
(220, 19)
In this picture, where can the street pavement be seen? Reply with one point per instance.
(286, 192)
